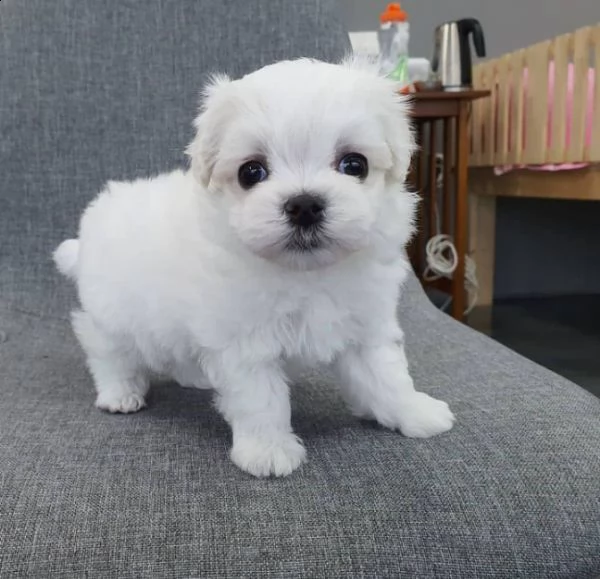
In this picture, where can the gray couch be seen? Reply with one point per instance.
(94, 89)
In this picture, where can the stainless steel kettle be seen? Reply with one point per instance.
(452, 53)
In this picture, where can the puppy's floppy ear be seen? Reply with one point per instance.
(398, 131)
(392, 109)
(209, 124)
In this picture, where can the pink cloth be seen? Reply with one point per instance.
(501, 169)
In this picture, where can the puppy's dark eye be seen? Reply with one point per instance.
(251, 173)
(355, 165)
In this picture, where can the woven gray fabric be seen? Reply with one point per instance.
(512, 491)
(94, 90)
(91, 90)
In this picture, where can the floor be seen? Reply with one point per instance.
(561, 333)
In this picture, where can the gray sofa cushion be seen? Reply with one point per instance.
(513, 491)
(91, 90)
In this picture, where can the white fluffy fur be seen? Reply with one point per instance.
(188, 275)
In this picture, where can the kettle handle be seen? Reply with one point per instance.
(473, 26)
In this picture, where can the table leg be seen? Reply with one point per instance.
(461, 222)
(432, 190)
(448, 165)
(416, 182)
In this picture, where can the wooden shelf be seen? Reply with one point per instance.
(441, 104)
(443, 118)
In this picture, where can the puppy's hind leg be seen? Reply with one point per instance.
(120, 379)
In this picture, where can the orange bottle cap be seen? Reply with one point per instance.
(393, 13)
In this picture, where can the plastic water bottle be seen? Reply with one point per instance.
(393, 43)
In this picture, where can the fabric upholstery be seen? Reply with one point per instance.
(93, 90)
(512, 491)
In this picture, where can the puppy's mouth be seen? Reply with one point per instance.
(306, 239)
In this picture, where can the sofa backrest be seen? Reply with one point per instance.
(99, 89)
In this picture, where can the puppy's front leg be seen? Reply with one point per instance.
(377, 385)
(254, 399)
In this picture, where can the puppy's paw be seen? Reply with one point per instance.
(261, 457)
(120, 403)
(422, 416)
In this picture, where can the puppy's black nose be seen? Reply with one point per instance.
(304, 210)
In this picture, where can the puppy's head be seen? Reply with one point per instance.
(305, 156)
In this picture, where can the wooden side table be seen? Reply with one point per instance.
(452, 111)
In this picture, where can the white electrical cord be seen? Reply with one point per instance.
(442, 257)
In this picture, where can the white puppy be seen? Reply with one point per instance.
(282, 244)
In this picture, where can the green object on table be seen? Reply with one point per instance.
(400, 71)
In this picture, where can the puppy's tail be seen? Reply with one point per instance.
(66, 257)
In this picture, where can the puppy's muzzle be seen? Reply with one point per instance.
(305, 210)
